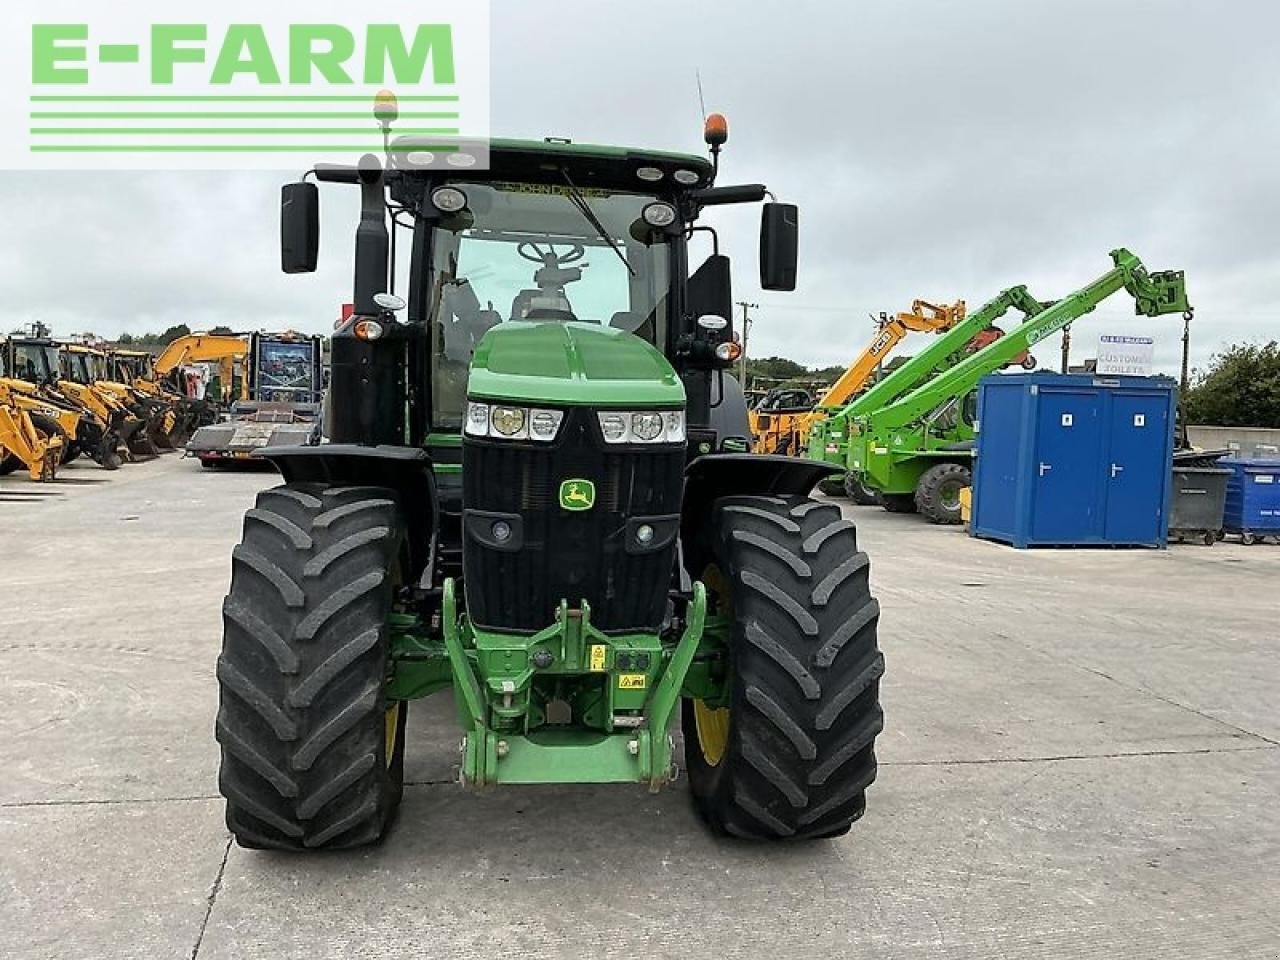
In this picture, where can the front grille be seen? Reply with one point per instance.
(570, 555)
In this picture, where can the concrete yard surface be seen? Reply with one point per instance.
(1081, 758)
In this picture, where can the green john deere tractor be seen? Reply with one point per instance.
(535, 495)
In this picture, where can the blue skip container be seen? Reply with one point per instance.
(1253, 499)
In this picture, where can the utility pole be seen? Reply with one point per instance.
(746, 328)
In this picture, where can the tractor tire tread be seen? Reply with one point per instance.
(303, 667)
(804, 695)
(928, 496)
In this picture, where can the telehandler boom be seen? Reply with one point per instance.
(911, 437)
(783, 430)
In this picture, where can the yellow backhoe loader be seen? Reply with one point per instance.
(22, 443)
(83, 372)
(30, 383)
(168, 415)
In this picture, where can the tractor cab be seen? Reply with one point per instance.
(32, 360)
(83, 364)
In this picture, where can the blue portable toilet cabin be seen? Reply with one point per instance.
(1073, 459)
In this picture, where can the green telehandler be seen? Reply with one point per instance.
(529, 498)
(910, 438)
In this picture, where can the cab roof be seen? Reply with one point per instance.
(588, 164)
(567, 148)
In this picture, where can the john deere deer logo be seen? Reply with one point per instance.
(577, 495)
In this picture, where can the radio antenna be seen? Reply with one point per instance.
(702, 104)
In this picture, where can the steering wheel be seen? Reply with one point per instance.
(533, 253)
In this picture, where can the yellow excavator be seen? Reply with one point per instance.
(223, 349)
(782, 421)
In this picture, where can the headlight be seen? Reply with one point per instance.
(545, 424)
(506, 422)
(646, 427)
(673, 423)
(614, 427)
(477, 424)
(642, 426)
(509, 421)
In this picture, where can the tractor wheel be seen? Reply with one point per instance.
(791, 754)
(938, 492)
(856, 489)
(312, 752)
(831, 486)
(898, 502)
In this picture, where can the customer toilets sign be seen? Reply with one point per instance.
(240, 84)
(1125, 356)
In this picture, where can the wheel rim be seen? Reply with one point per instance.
(712, 727)
(712, 723)
(391, 726)
(949, 496)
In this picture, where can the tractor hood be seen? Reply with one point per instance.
(571, 364)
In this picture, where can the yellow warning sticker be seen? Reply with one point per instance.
(632, 681)
(596, 656)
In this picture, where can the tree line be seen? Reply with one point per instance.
(1240, 387)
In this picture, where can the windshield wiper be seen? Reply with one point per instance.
(579, 201)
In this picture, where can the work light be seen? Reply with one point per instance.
(448, 199)
(659, 214)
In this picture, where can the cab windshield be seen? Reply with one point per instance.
(131, 368)
(35, 363)
(75, 367)
(285, 365)
(529, 253)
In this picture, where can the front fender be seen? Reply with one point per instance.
(710, 477)
(407, 470)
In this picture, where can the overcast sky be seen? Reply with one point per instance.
(940, 150)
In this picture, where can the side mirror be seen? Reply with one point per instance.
(299, 227)
(779, 241)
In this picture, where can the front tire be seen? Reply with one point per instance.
(898, 502)
(856, 489)
(312, 753)
(792, 753)
(938, 492)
